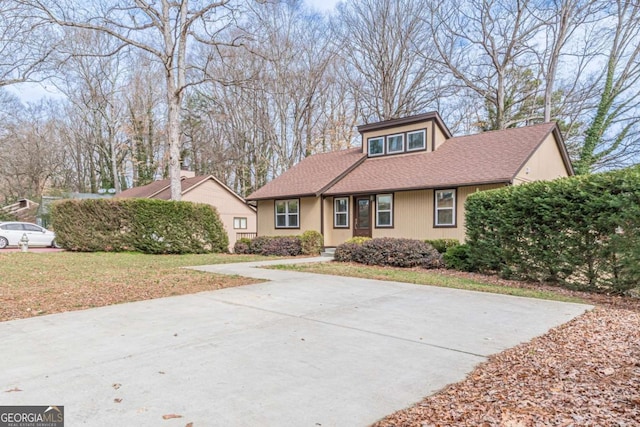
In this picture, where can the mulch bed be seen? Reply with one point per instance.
(583, 373)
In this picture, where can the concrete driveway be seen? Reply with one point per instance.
(300, 350)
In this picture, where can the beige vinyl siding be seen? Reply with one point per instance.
(227, 205)
(414, 211)
(309, 217)
(439, 137)
(400, 129)
(336, 236)
(545, 164)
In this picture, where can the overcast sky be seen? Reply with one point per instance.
(322, 5)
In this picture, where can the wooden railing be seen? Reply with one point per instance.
(250, 236)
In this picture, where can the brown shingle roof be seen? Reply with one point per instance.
(186, 183)
(311, 176)
(489, 157)
(145, 191)
(161, 189)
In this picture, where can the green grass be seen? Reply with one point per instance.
(424, 277)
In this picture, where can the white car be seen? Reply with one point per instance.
(12, 232)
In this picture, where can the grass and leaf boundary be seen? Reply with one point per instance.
(439, 278)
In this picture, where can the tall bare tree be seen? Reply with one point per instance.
(162, 28)
(389, 49)
(485, 45)
(26, 45)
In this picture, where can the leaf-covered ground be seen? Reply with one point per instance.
(33, 284)
(583, 373)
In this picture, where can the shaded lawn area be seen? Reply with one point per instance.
(33, 284)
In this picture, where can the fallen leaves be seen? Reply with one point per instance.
(12, 390)
(585, 372)
(170, 416)
(66, 281)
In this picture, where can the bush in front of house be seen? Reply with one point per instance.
(141, 225)
(358, 240)
(387, 251)
(242, 246)
(312, 242)
(581, 232)
(270, 246)
(345, 252)
(457, 258)
(442, 245)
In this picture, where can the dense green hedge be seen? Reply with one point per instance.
(143, 225)
(309, 243)
(583, 231)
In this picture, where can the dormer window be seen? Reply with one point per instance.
(416, 140)
(395, 143)
(376, 146)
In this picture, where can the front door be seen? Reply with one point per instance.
(362, 218)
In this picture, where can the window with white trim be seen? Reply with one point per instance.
(395, 143)
(416, 140)
(341, 212)
(376, 146)
(445, 208)
(239, 223)
(288, 213)
(384, 210)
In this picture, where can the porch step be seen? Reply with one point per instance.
(329, 252)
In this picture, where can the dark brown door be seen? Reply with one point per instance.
(362, 218)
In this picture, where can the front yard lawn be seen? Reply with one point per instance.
(33, 284)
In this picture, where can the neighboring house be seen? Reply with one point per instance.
(410, 178)
(23, 210)
(238, 218)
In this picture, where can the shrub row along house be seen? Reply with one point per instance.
(237, 216)
(410, 178)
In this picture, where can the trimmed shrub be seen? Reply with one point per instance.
(358, 240)
(274, 246)
(281, 246)
(457, 258)
(242, 246)
(143, 225)
(442, 245)
(581, 232)
(345, 252)
(312, 242)
(393, 252)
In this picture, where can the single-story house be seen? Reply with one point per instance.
(410, 178)
(238, 218)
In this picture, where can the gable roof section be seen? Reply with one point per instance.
(145, 191)
(489, 157)
(161, 189)
(433, 115)
(312, 176)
